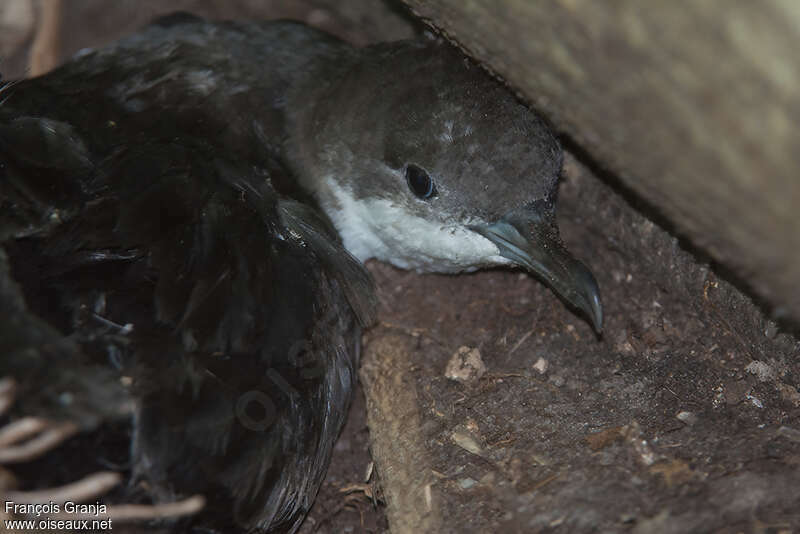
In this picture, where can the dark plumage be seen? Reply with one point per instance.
(159, 211)
(126, 202)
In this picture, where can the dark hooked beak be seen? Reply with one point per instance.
(529, 238)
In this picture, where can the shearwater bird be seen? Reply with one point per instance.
(183, 216)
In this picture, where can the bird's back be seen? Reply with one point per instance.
(144, 238)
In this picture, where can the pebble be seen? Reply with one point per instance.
(466, 365)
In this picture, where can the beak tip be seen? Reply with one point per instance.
(586, 293)
(597, 323)
(542, 253)
(595, 308)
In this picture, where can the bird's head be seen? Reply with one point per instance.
(423, 160)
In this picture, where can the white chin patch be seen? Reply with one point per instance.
(378, 228)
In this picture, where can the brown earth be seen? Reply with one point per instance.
(683, 417)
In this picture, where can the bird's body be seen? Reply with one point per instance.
(173, 208)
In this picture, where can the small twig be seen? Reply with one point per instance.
(42, 436)
(366, 489)
(504, 441)
(542, 483)
(519, 343)
(140, 512)
(495, 376)
(85, 489)
(44, 51)
(21, 429)
(94, 486)
(48, 439)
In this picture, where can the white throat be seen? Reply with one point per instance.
(381, 229)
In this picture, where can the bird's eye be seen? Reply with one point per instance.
(420, 182)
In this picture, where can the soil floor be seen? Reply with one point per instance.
(684, 416)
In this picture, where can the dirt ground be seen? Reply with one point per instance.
(684, 416)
